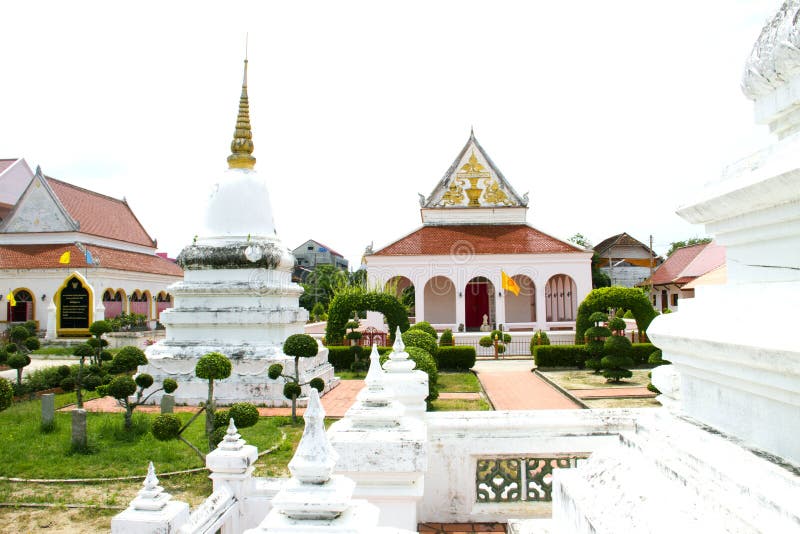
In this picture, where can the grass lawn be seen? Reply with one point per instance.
(622, 403)
(28, 453)
(350, 375)
(460, 405)
(458, 383)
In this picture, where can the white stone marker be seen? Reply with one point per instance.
(152, 511)
(409, 385)
(384, 452)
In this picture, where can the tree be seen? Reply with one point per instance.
(351, 299)
(97, 329)
(617, 358)
(123, 387)
(599, 278)
(675, 245)
(212, 366)
(595, 340)
(633, 299)
(298, 346)
(320, 285)
(82, 351)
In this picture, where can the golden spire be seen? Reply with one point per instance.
(242, 144)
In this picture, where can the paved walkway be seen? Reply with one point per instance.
(336, 402)
(510, 385)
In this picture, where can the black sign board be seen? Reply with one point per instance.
(74, 305)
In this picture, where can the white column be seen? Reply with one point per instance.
(51, 321)
(499, 303)
(419, 300)
(541, 306)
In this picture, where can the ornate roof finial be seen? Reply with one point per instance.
(242, 145)
(471, 132)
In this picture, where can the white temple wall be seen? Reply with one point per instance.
(47, 281)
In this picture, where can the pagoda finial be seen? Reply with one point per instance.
(242, 145)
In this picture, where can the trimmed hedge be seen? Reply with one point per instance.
(458, 358)
(576, 355)
(560, 356)
(341, 358)
(599, 300)
(347, 301)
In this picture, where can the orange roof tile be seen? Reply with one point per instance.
(100, 215)
(670, 271)
(476, 239)
(47, 256)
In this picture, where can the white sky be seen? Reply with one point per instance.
(612, 114)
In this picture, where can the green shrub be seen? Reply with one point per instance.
(500, 336)
(455, 358)
(655, 358)
(121, 387)
(342, 357)
(143, 380)
(128, 359)
(418, 338)
(616, 324)
(68, 384)
(32, 343)
(18, 334)
(345, 302)
(539, 338)
(244, 414)
(425, 326)
(486, 341)
(219, 434)
(598, 300)
(213, 366)
(617, 360)
(18, 361)
(300, 346)
(3, 355)
(317, 383)
(169, 385)
(6, 394)
(92, 382)
(166, 427)
(221, 418)
(560, 356)
(291, 390)
(640, 352)
(446, 339)
(10, 348)
(628, 315)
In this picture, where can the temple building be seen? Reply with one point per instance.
(70, 256)
(474, 235)
(626, 260)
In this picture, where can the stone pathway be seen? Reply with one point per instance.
(459, 528)
(336, 402)
(510, 385)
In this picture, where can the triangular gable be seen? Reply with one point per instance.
(39, 210)
(473, 181)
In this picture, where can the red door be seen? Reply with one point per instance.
(477, 304)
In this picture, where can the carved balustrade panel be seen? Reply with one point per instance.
(520, 479)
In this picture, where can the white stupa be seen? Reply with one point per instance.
(237, 296)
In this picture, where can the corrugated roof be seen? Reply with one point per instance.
(47, 256)
(100, 215)
(464, 240)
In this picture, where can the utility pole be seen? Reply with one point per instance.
(652, 259)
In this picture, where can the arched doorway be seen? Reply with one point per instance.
(140, 303)
(521, 308)
(479, 300)
(24, 308)
(561, 298)
(440, 301)
(402, 288)
(163, 301)
(114, 302)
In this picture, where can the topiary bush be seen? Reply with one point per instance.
(244, 414)
(354, 299)
(343, 357)
(166, 427)
(127, 360)
(656, 358)
(18, 361)
(628, 315)
(68, 384)
(317, 383)
(539, 338)
(599, 300)
(455, 358)
(425, 326)
(32, 344)
(485, 341)
(212, 366)
(169, 385)
(446, 339)
(617, 359)
(420, 339)
(92, 382)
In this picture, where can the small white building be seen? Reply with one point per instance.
(70, 256)
(474, 230)
(626, 261)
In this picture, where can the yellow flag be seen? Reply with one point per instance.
(64, 258)
(11, 299)
(509, 284)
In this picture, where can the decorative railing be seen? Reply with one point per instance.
(501, 480)
(212, 515)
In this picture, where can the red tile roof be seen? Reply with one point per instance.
(47, 256)
(461, 240)
(100, 215)
(6, 163)
(674, 269)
